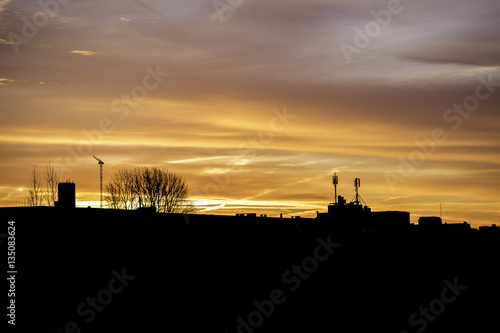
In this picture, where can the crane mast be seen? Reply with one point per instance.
(100, 188)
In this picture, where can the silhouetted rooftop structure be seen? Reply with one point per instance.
(340, 214)
(430, 221)
(493, 228)
(66, 197)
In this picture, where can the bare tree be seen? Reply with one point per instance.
(35, 196)
(148, 187)
(122, 190)
(51, 181)
(112, 197)
(174, 195)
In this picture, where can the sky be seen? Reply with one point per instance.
(257, 103)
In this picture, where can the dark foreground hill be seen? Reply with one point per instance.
(90, 270)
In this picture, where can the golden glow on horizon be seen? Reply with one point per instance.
(84, 53)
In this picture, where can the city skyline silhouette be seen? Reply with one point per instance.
(242, 166)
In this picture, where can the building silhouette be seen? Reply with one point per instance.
(66, 195)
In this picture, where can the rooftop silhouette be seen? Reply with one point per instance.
(348, 269)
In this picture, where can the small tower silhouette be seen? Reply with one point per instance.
(335, 180)
(66, 197)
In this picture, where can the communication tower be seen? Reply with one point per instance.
(357, 197)
(335, 180)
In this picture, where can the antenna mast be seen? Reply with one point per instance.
(335, 180)
(100, 189)
(357, 197)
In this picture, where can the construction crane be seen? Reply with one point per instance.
(100, 167)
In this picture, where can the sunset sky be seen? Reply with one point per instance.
(258, 103)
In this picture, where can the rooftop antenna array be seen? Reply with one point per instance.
(100, 167)
(357, 197)
(335, 180)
